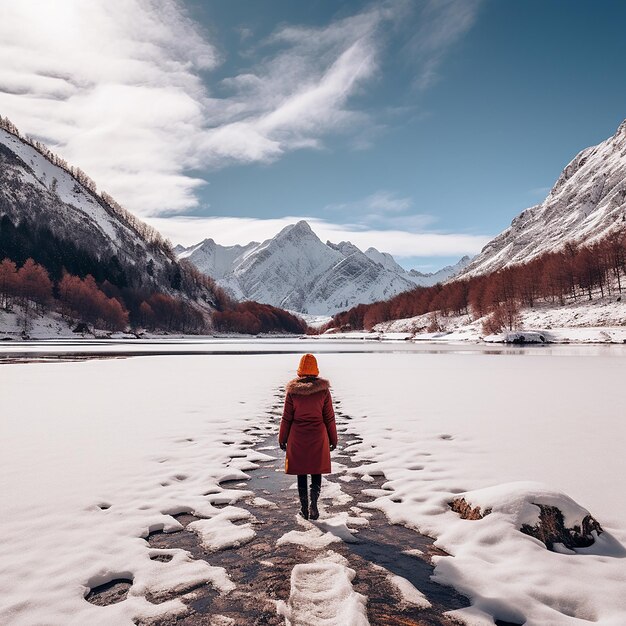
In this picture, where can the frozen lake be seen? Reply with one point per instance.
(96, 451)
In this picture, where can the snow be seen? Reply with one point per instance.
(471, 424)
(219, 532)
(408, 592)
(314, 321)
(44, 172)
(264, 503)
(48, 325)
(312, 538)
(96, 454)
(295, 270)
(322, 594)
(602, 320)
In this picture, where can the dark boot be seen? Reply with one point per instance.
(304, 502)
(315, 494)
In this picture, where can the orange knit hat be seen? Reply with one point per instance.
(308, 366)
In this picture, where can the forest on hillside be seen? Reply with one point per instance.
(573, 273)
(31, 289)
(47, 264)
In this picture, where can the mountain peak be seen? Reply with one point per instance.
(299, 229)
(345, 247)
(301, 226)
(297, 271)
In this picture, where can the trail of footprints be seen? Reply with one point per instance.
(261, 569)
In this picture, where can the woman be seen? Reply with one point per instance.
(308, 432)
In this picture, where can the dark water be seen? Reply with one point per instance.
(79, 350)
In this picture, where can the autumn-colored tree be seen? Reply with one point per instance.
(616, 255)
(146, 315)
(34, 284)
(82, 299)
(8, 282)
(596, 268)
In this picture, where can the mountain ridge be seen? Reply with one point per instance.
(587, 201)
(295, 270)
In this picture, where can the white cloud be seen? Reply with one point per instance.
(113, 86)
(297, 94)
(233, 230)
(388, 202)
(384, 210)
(381, 202)
(441, 24)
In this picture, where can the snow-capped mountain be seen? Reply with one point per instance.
(40, 191)
(295, 270)
(587, 201)
(440, 276)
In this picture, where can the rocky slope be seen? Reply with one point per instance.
(42, 197)
(587, 201)
(295, 270)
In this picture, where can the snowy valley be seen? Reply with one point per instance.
(283, 424)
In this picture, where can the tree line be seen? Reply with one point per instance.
(30, 287)
(84, 300)
(101, 305)
(574, 273)
(254, 318)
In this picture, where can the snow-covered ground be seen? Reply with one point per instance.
(95, 454)
(48, 326)
(600, 320)
(442, 425)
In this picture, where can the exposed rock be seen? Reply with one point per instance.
(465, 510)
(551, 529)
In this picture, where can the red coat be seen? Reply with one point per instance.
(308, 426)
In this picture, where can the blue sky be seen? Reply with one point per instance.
(421, 128)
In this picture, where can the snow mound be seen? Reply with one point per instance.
(322, 594)
(410, 594)
(538, 511)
